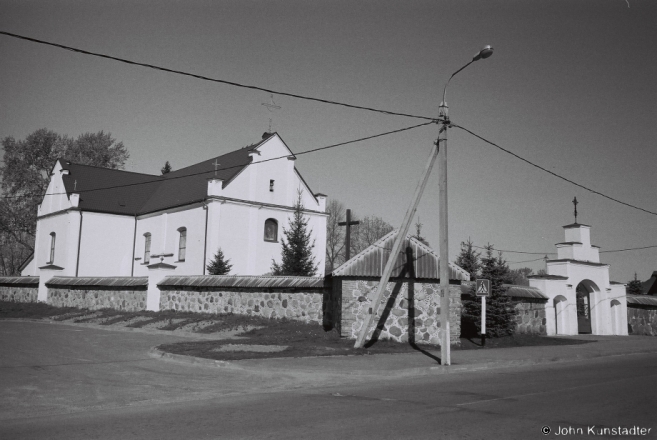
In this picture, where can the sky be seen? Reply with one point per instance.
(571, 87)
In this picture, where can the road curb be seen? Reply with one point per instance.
(403, 372)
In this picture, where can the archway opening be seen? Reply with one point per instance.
(585, 294)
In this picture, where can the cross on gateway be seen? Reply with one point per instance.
(575, 203)
(216, 165)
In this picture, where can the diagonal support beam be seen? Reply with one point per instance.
(396, 247)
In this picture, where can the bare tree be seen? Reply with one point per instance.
(368, 232)
(334, 235)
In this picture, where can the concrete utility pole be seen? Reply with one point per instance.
(445, 349)
(347, 237)
(440, 151)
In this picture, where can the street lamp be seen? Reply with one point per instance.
(445, 355)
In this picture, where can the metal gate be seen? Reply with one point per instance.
(583, 310)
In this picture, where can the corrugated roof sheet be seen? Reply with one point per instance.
(19, 281)
(99, 281)
(245, 281)
(372, 260)
(643, 300)
(131, 193)
(516, 291)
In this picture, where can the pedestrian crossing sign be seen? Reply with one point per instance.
(482, 287)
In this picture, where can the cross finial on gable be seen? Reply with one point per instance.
(575, 203)
(271, 105)
(216, 165)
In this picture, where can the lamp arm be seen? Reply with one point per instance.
(450, 78)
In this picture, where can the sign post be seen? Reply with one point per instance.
(483, 290)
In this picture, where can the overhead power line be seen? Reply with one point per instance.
(159, 180)
(553, 253)
(517, 252)
(205, 78)
(629, 249)
(525, 261)
(553, 173)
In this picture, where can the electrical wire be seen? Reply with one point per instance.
(553, 173)
(517, 252)
(205, 78)
(160, 179)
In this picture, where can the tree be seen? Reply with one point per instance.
(468, 259)
(634, 287)
(368, 232)
(97, 149)
(500, 309)
(297, 252)
(334, 235)
(219, 264)
(25, 174)
(418, 233)
(519, 276)
(166, 168)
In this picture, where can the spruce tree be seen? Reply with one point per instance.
(297, 252)
(219, 264)
(166, 168)
(500, 309)
(635, 286)
(468, 259)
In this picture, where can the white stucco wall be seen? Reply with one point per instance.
(106, 246)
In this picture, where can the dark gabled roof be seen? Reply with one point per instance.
(650, 286)
(127, 193)
(190, 184)
(372, 260)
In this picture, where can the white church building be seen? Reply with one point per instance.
(101, 222)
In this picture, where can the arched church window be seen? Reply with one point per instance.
(271, 230)
(147, 248)
(52, 247)
(182, 244)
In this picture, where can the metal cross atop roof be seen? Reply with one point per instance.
(575, 203)
(270, 106)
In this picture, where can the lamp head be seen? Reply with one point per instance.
(483, 53)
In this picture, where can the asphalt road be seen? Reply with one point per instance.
(63, 382)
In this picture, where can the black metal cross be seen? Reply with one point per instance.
(575, 202)
(347, 238)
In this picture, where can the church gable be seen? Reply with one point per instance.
(263, 172)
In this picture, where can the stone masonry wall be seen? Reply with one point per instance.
(96, 299)
(531, 317)
(642, 321)
(417, 317)
(18, 294)
(300, 306)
